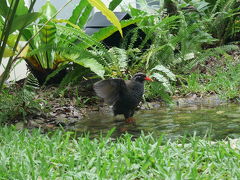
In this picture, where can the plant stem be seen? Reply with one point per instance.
(8, 26)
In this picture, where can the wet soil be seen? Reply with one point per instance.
(68, 109)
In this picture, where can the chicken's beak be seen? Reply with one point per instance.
(148, 79)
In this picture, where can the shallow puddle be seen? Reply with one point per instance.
(218, 122)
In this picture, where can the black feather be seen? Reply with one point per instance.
(123, 95)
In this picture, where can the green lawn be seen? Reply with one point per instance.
(32, 155)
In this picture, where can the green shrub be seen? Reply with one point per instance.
(16, 104)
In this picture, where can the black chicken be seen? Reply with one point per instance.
(124, 95)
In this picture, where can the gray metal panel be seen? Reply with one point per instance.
(99, 20)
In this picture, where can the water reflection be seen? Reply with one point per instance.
(221, 121)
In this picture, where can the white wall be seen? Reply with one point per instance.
(19, 72)
(65, 12)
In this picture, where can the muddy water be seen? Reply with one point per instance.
(217, 122)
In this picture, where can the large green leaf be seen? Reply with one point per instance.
(108, 13)
(3, 8)
(92, 64)
(27, 34)
(48, 11)
(8, 52)
(113, 4)
(22, 8)
(13, 37)
(77, 12)
(12, 40)
(22, 21)
(85, 16)
(47, 37)
(48, 34)
(1, 22)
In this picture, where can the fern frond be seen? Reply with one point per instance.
(120, 58)
(133, 39)
(165, 70)
(163, 80)
(157, 73)
(31, 83)
(82, 40)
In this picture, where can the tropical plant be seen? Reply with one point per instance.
(179, 42)
(225, 20)
(162, 74)
(89, 58)
(42, 35)
(14, 18)
(221, 18)
(58, 45)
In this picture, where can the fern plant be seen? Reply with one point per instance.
(119, 62)
(18, 104)
(14, 18)
(224, 19)
(163, 75)
(57, 45)
(160, 88)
